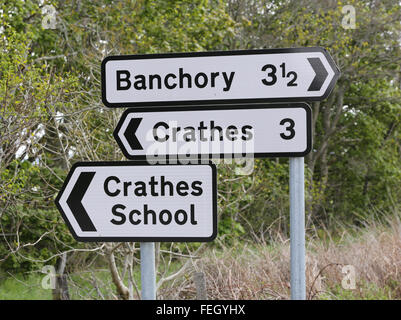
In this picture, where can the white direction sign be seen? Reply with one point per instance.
(227, 77)
(281, 130)
(135, 201)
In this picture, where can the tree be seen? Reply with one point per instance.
(351, 121)
(70, 121)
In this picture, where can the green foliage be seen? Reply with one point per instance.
(250, 204)
(24, 288)
(50, 102)
(171, 26)
(365, 291)
(51, 112)
(356, 158)
(34, 228)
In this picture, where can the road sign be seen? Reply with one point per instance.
(280, 130)
(135, 201)
(212, 78)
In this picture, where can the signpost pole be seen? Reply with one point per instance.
(148, 272)
(297, 228)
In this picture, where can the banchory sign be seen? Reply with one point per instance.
(135, 201)
(213, 78)
(161, 135)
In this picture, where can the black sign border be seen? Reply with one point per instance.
(199, 157)
(137, 239)
(217, 53)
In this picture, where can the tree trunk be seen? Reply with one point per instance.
(61, 290)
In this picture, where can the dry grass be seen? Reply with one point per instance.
(249, 271)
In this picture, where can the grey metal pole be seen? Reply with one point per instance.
(148, 272)
(297, 228)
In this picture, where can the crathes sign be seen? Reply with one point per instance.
(134, 201)
(213, 78)
(162, 135)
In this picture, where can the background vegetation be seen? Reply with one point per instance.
(51, 115)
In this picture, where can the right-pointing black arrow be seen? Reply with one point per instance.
(74, 201)
(129, 134)
(321, 74)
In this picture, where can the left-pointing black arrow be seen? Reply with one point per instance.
(130, 134)
(74, 201)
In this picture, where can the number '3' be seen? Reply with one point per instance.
(288, 129)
